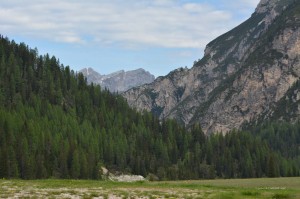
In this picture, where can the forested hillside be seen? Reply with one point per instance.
(53, 124)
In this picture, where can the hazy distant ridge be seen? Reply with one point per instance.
(119, 81)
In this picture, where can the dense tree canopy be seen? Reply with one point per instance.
(53, 124)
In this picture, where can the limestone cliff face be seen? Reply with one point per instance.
(119, 81)
(243, 74)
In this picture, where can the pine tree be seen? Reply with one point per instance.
(75, 166)
(272, 167)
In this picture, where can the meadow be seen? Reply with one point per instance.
(273, 188)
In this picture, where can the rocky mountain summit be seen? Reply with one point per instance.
(245, 76)
(119, 81)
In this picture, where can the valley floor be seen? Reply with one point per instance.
(273, 188)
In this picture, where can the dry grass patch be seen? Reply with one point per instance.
(276, 188)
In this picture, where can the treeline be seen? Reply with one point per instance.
(53, 124)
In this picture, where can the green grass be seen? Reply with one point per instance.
(272, 188)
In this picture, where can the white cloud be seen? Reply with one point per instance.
(162, 23)
(241, 5)
(251, 3)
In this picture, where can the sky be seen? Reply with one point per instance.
(112, 35)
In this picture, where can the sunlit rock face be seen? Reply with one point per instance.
(242, 78)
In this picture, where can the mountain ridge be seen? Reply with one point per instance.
(243, 73)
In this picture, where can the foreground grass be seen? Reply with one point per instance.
(273, 188)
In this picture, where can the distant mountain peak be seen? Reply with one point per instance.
(119, 81)
(88, 71)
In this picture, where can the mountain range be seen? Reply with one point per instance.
(247, 75)
(53, 124)
(119, 81)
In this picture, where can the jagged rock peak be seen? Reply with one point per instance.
(272, 5)
(88, 71)
(139, 71)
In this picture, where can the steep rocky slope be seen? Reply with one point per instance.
(119, 81)
(241, 78)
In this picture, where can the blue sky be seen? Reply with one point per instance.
(110, 35)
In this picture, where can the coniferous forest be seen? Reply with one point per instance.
(54, 125)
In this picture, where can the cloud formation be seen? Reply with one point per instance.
(131, 23)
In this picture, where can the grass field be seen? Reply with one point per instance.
(275, 188)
